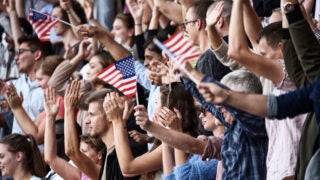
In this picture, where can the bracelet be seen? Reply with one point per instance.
(137, 24)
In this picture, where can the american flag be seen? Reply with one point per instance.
(181, 47)
(41, 24)
(121, 75)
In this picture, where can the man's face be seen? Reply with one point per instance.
(59, 28)
(96, 120)
(190, 25)
(151, 57)
(25, 58)
(267, 51)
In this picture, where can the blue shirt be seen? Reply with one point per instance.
(245, 143)
(194, 168)
(154, 90)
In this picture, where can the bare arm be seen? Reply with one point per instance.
(59, 165)
(252, 24)
(14, 21)
(170, 9)
(181, 141)
(129, 165)
(239, 50)
(20, 8)
(72, 149)
(252, 103)
(117, 51)
(167, 159)
(23, 119)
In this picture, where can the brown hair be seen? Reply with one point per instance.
(94, 142)
(49, 64)
(175, 96)
(127, 20)
(32, 158)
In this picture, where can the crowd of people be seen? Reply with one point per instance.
(246, 108)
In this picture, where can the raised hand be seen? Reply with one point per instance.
(135, 9)
(171, 119)
(214, 16)
(88, 9)
(128, 108)
(113, 105)
(213, 93)
(142, 118)
(51, 103)
(84, 51)
(66, 4)
(14, 100)
(71, 97)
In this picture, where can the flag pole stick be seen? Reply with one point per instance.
(137, 97)
(171, 56)
(60, 20)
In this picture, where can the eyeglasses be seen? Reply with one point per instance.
(20, 51)
(185, 23)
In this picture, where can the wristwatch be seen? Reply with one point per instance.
(288, 7)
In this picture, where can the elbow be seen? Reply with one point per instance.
(235, 53)
(70, 152)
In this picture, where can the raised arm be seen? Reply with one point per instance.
(59, 165)
(180, 141)
(71, 139)
(218, 46)
(129, 165)
(117, 51)
(239, 50)
(170, 9)
(14, 21)
(23, 119)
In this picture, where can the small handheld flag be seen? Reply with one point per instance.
(121, 75)
(42, 24)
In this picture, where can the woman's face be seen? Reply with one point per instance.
(90, 152)
(8, 161)
(94, 68)
(120, 32)
(42, 79)
(208, 120)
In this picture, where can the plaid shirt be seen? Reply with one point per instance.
(316, 32)
(245, 144)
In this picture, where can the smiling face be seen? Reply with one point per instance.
(120, 32)
(25, 59)
(94, 68)
(8, 161)
(42, 79)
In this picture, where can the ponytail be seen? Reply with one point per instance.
(32, 158)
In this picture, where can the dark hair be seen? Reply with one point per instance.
(199, 10)
(151, 46)
(272, 33)
(32, 161)
(105, 58)
(94, 142)
(25, 26)
(175, 96)
(49, 64)
(127, 20)
(98, 97)
(35, 44)
(78, 9)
